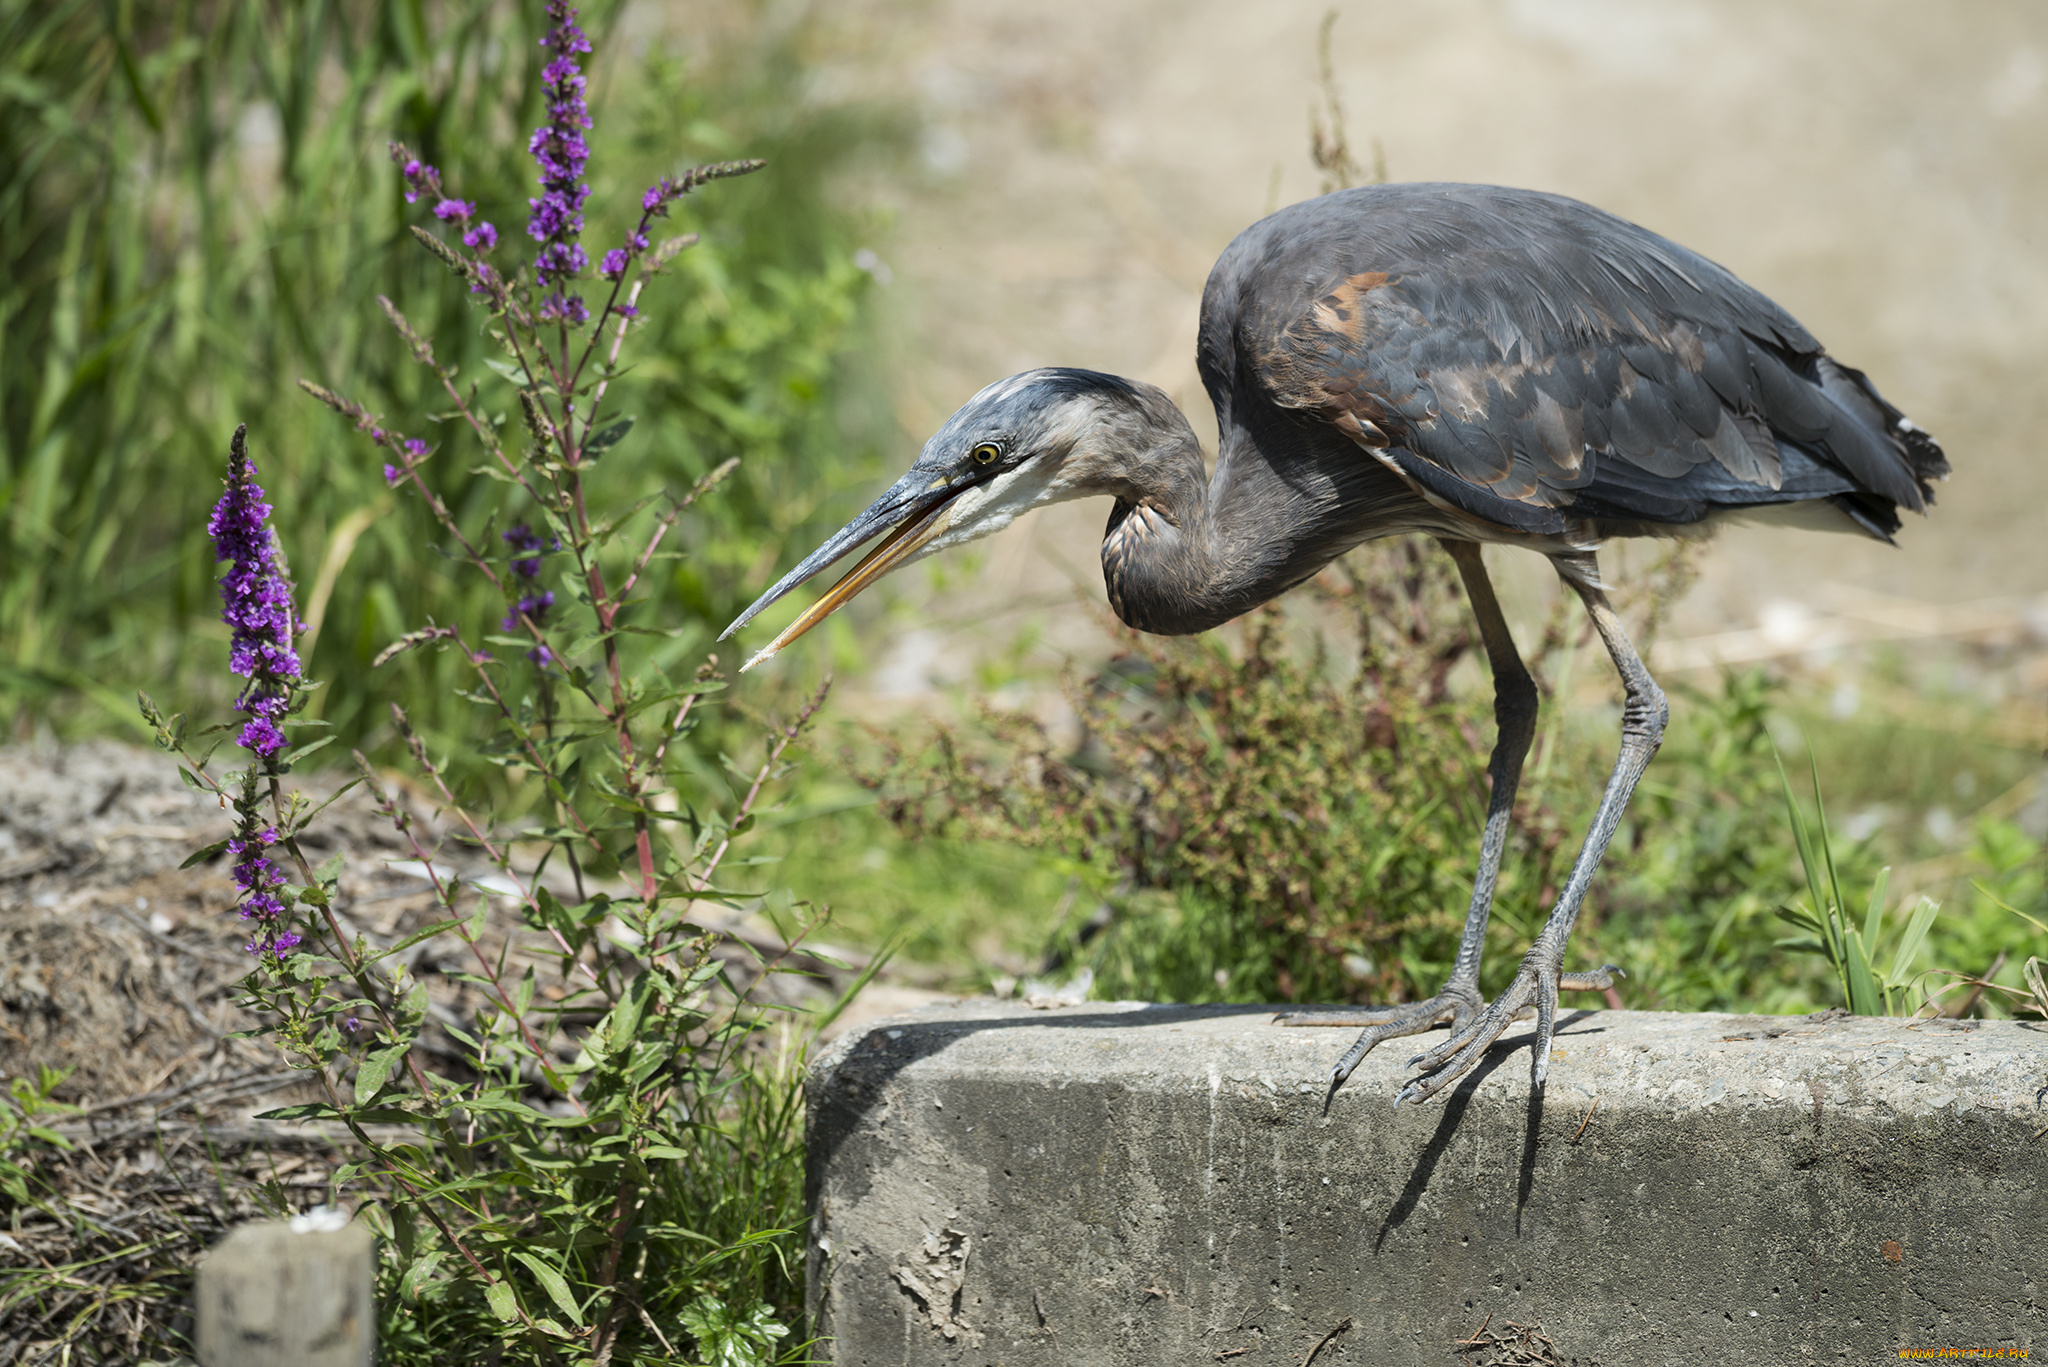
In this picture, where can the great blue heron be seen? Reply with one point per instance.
(1471, 363)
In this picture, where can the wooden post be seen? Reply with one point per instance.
(298, 1294)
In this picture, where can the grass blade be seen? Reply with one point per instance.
(1909, 943)
(1873, 915)
(1864, 998)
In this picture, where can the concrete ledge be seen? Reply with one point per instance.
(1122, 1184)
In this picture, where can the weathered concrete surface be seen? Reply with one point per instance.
(1122, 1184)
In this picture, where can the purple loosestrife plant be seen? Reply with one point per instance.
(610, 848)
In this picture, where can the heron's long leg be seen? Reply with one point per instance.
(1536, 984)
(1514, 713)
(1514, 716)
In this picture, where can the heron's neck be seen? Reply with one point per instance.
(1164, 561)
(1184, 552)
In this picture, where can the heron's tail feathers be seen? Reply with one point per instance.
(1884, 450)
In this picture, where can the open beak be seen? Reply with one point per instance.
(912, 512)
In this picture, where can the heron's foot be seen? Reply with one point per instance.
(1535, 988)
(1458, 1003)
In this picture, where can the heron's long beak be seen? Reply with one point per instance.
(912, 512)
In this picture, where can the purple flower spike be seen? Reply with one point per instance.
(449, 209)
(256, 603)
(560, 152)
(482, 237)
(614, 264)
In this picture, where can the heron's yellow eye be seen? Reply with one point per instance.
(985, 453)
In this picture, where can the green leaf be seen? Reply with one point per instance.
(1917, 927)
(1863, 995)
(552, 915)
(308, 1110)
(329, 801)
(201, 856)
(371, 1075)
(330, 868)
(1801, 917)
(506, 369)
(384, 1115)
(663, 1151)
(298, 753)
(418, 1273)
(409, 941)
(1827, 847)
(626, 1016)
(556, 1287)
(1809, 861)
(1988, 895)
(503, 1302)
(597, 443)
(1873, 915)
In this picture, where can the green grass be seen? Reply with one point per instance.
(961, 913)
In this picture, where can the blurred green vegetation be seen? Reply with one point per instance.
(196, 211)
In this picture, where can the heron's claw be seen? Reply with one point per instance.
(1535, 988)
(1457, 1003)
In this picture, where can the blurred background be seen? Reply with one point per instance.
(1881, 170)
(195, 212)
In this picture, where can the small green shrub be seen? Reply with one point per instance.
(1998, 931)
(1266, 825)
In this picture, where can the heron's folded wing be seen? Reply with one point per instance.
(1595, 374)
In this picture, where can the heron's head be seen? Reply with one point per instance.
(1033, 439)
